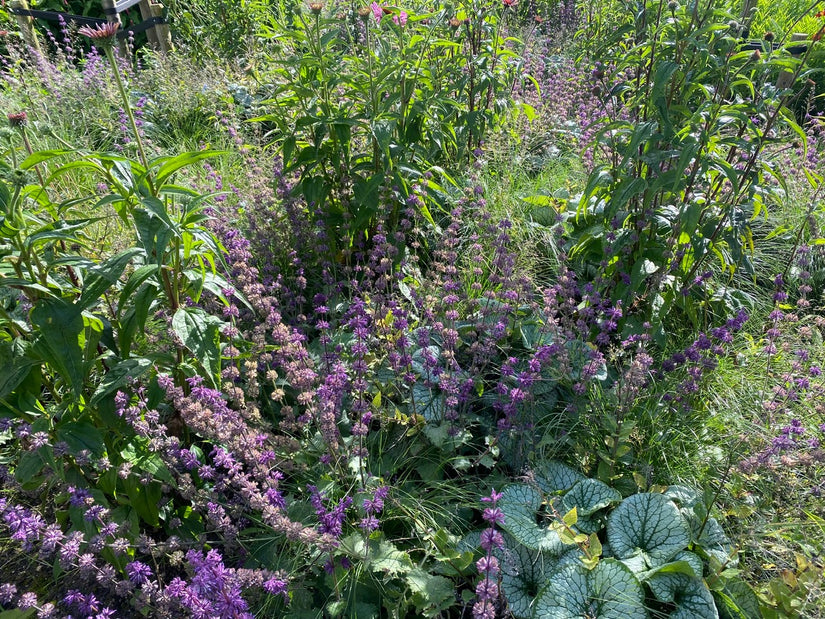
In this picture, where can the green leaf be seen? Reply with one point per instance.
(431, 594)
(710, 537)
(427, 402)
(737, 601)
(386, 558)
(102, 277)
(555, 477)
(67, 339)
(522, 506)
(139, 276)
(80, 436)
(609, 591)
(200, 333)
(170, 166)
(523, 573)
(144, 499)
(16, 613)
(589, 496)
(147, 461)
(649, 523)
(28, 467)
(682, 495)
(58, 231)
(119, 376)
(40, 156)
(154, 227)
(15, 368)
(690, 595)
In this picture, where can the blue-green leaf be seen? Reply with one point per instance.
(649, 523)
(523, 573)
(609, 591)
(555, 477)
(690, 595)
(521, 505)
(589, 496)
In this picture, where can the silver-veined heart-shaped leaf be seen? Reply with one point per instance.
(523, 573)
(709, 535)
(691, 597)
(589, 496)
(649, 523)
(555, 477)
(682, 495)
(522, 506)
(609, 591)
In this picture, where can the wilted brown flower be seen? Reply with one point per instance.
(316, 7)
(17, 119)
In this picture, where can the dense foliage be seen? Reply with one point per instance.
(489, 309)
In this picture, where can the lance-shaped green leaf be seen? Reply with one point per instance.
(609, 591)
(67, 339)
(737, 600)
(690, 595)
(649, 523)
(200, 333)
(522, 507)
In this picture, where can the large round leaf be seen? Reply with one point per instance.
(708, 534)
(556, 477)
(523, 516)
(589, 496)
(609, 591)
(649, 523)
(523, 573)
(691, 597)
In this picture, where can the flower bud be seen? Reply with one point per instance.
(17, 119)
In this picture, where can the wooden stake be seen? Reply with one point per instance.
(25, 24)
(159, 36)
(112, 16)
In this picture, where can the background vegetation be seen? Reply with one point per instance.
(489, 309)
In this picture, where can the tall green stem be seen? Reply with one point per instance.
(126, 104)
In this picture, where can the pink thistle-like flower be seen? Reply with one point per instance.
(377, 11)
(401, 18)
(103, 33)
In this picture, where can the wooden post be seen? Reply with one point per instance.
(112, 16)
(25, 24)
(159, 36)
(163, 33)
(785, 79)
(146, 13)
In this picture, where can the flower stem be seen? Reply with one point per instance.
(126, 104)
